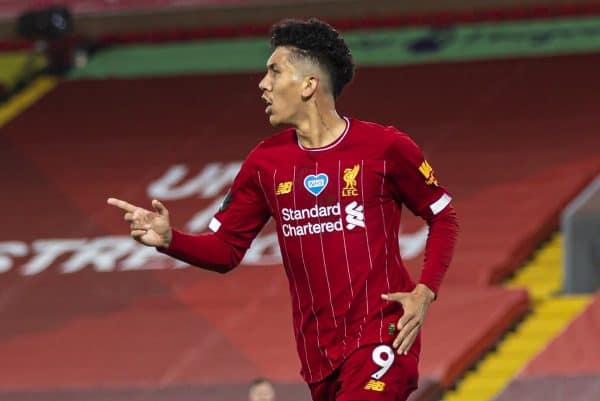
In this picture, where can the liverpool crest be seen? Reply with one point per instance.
(350, 180)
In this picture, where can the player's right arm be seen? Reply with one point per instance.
(239, 220)
(153, 228)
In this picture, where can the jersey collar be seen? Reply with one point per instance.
(331, 145)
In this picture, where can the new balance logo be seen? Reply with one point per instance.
(354, 216)
(375, 385)
(284, 188)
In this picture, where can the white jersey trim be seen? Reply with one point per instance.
(214, 225)
(440, 204)
(330, 146)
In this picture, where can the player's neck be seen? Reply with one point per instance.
(320, 128)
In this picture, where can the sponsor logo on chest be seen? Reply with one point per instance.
(322, 219)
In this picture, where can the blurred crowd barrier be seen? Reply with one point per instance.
(101, 17)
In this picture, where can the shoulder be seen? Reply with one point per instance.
(273, 145)
(270, 147)
(370, 127)
(392, 141)
(400, 142)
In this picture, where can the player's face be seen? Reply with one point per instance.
(262, 392)
(281, 88)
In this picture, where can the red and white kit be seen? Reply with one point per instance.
(337, 212)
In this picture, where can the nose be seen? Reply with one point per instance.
(263, 84)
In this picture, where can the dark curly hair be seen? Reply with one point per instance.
(319, 42)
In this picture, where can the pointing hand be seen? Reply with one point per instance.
(151, 228)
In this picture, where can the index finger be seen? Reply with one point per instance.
(394, 296)
(121, 204)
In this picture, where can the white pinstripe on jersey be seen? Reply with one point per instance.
(387, 276)
(339, 186)
(290, 269)
(362, 193)
(324, 261)
(312, 299)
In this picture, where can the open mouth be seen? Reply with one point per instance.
(269, 104)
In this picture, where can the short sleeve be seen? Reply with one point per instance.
(412, 179)
(244, 211)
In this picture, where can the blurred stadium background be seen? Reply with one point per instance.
(146, 99)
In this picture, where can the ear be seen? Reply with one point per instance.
(310, 86)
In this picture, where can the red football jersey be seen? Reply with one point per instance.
(337, 212)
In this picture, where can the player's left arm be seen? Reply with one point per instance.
(415, 185)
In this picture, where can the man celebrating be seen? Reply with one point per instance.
(335, 187)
